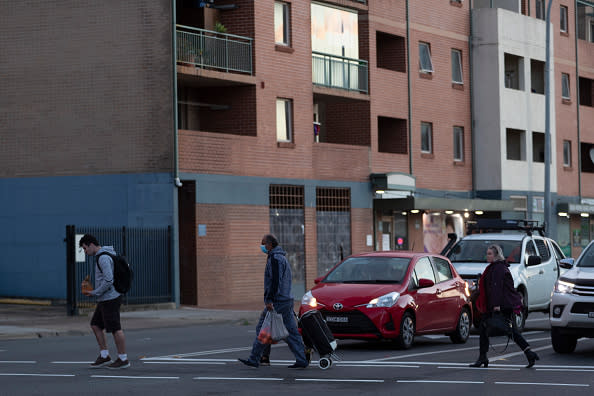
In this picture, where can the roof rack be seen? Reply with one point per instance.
(496, 225)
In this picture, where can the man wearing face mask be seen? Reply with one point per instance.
(278, 297)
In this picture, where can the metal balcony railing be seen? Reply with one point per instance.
(339, 72)
(214, 50)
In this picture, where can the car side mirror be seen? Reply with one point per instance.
(318, 280)
(566, 263)
(533, 260)
(424, 282)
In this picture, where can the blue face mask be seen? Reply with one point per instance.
(263, 249)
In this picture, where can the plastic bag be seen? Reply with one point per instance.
(278, 330)
(265, 334)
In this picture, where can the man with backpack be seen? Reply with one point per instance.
(107, 312)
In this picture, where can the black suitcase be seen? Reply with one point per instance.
(317, 335)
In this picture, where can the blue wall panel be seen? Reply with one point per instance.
(35, 211)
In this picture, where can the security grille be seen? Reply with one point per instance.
(333, 218)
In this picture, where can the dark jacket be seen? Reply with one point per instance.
(277, 277)
(499, 286)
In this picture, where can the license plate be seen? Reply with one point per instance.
(591, 314)
(337, 319)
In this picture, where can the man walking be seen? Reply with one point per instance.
(278, 297)
(107, 312)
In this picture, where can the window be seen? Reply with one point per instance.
(392, 135)
(458, 143)
(444, 272)
(457, 66)
(425, 63)
(538, 143)
(543, 251)
(515, 144)
(540, 9)
(281, 23)
(391, 52)
(537, 76)
(567, 153)
(563, 19)
(284, 120)
(426, 137)
(423, 270)
(514, 66)
(565, 93)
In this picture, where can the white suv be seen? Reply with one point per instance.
(534, 260)
(572, 304)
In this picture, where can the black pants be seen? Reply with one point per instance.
(490, 325)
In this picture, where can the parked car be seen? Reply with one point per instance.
(534, 260)
(392, 295)
(572, 304)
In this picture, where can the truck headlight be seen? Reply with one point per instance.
(564, 287)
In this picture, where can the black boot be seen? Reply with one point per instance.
(482, 360)
(531, 356)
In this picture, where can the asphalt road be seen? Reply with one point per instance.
(202, 360)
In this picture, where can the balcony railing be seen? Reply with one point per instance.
(214, 50)
(339, 72)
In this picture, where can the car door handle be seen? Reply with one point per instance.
(540, 272)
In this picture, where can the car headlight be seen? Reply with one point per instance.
(564, 287)
(387, 300)
(466, 289)
(309, 299)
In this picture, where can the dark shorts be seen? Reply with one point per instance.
(107, 315)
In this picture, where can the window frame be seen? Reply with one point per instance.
(288, 124)
(564, 19)
(427, 53)
(458, 143)
(565, 81)
(429, 138)
(458, 54)
(286, 16)
(567, 153)
(540, 11)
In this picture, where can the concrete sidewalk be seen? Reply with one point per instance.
(33, 321)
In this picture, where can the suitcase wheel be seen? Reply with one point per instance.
(325, 363)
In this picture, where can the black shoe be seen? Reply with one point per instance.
(265, 361)
(482, 360)
(119, 364)
(532, 358)
(100, 362)
(298, 366)
(248, 363)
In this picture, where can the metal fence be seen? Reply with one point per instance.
(209, 49)
(340, 72)
(148, 251)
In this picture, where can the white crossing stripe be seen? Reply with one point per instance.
(539, 383)
(18, 361)
(35, 375)
(441, 382)
(239, 378)
(130, 377)
(337, 380)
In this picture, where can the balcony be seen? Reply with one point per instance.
(213, 50)
(339, 72)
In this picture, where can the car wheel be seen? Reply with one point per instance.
(462, 329)
(407, 331)
(562, 343)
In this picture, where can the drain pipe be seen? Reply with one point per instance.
(410, 161)
(471, 92)
(175, 288)
(577, 92)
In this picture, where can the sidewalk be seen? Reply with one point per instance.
(35, 321)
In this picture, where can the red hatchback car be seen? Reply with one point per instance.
(392, 295)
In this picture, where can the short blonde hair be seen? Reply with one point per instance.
(497, 252)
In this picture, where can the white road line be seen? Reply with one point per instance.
(441, 382)
(35, 375)
(60, 362)
(476, 368)
(239, 378)
(18, 361)
(375, 365)
(539, 383)
(502, 357)
(212, 352)
(217, 363)
(146, 360)
(564, 369)
(130, 377)
(337, 380)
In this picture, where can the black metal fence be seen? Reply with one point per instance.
(148, 251)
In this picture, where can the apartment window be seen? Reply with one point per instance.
(392, 135)
(515, 144)
(425, 58)
(537, 76)
(563, 19)
(586, 92)
(281, 23)
(284, 120)
(538, 145)
(391, 52)
(585, 22)
(567, 153)
(514, 66)
(457, 66)
(565, 93)
(540, 9)
(426, 137)
(458, 143)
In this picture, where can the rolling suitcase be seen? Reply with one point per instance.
(317, 335)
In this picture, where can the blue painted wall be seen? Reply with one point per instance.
(35, 211)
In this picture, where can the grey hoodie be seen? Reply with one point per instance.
(104, 289)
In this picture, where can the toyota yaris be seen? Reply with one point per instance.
(392, 295)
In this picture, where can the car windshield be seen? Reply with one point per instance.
(467, 251)
(587, 258)
(369, 270)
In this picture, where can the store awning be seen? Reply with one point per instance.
(566, 207)
(458, 204)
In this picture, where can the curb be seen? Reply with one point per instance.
(25, 301)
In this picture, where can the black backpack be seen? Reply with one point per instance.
(122, 273)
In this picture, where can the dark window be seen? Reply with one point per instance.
(538, 143)
(392, 135)
(543, 251)
(391, 52)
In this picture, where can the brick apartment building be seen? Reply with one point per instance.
(341, 126)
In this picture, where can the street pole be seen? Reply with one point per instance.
(547, 153)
